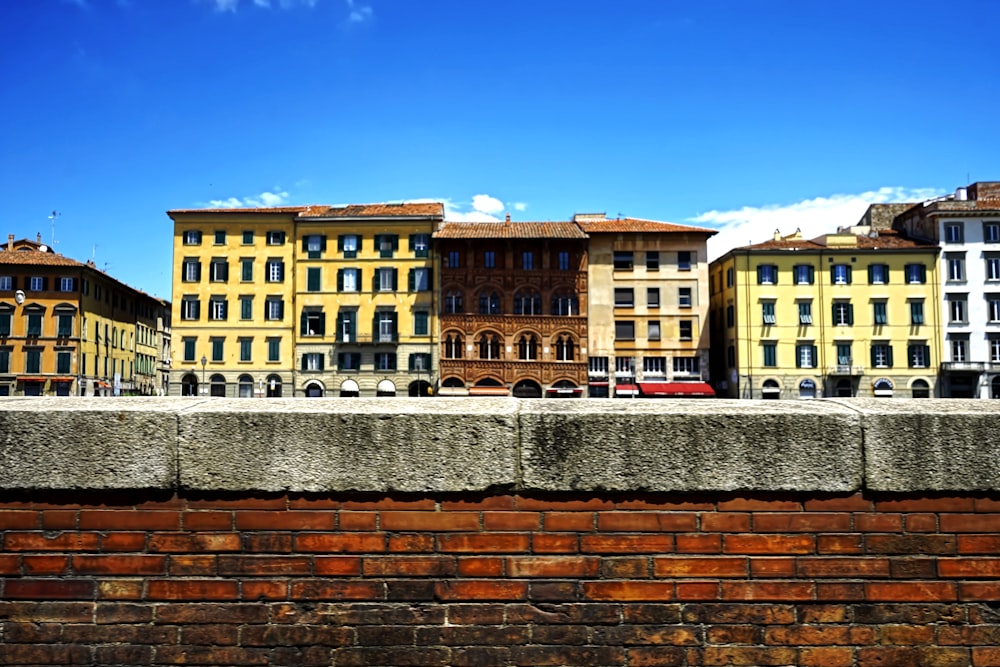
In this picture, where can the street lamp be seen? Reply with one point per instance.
(204, 388)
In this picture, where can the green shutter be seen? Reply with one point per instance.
(375, 277)
(394, 316)
(340, 280)
(871, 274)
(927, 356)
(303, 324)
(889, 355)
(304, 364)
(340, 243)
(411, 281)
(395, 282)
(850, 313)
(848, 266)
(321, 325)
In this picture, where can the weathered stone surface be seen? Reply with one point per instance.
(931, 445)
(686, 445)
(69, 443)
(404, 444)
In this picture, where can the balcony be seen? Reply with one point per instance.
(965, 366)
(845, 369)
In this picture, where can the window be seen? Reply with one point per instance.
(991, 232)
(189, 344)
(349, 361)
(312, 322)
(730, 316)
(314, 279)
(767, 274)
(385, 325)
(527, 260)
(770, 351)
(684, 260)
(217, 349)
(840, 274)
(878, 274)
(956, 266)
(36, 284)
(191, 270)
(993, 308)
(624, 366)
(420, 244)
(220, 237)
(6, 283)
(314, 245)
(652, 260)
(348, 244)
(347, 326)
(274, 349)
(274, 308)
(960, 349)
(489, 303)
(63, 361)
(348, 280)
(653, 330)
(622, 260)
(219, 270)
(916, 274)
(565, 304)
(64, 324)
(385, 361)
(218, 308)
(805, 274)
(312, 361)
(597, 367)
(453, 347)
(490, 259)
(624, 329)
(192, 237)
(454, 259)
(918, 355)
(654, 367)
(683, 297)
(805, 356)
(32, 361)
(994, 349)
(386, 244)
(916, 312)
(686, 330)
(527, 347)
(563, 260)
(992, 267)
(653, 297)
(565, 348)
(624, 297)
(421, 319)
(767, 310)
(5, 317)
(957, 309)
(275, 238)
(384, 280)
(805, 312)
(685, 365)
(247, 237)
(419, 279)
(453, 302)
(844, 356)
(246, 269)
(880, 312)
(843, 313)
(420, 362)
(730, 277)
(67, 284)
(190, 308)
(954, 232)
(246, 349)
(275, 271)
(881, 355)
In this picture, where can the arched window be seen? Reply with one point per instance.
(565, 348)
(189, 385)
(923, 390)
(453, 347)
(246, 386)
(771, 390)
(489, 303)
(565, 303)
(273, 386)
(218, 385)
(489, 346)
(527, 302)
(527, 347)
(453, 302)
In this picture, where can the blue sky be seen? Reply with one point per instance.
(743, 115)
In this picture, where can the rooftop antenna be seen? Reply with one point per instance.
(55, 214)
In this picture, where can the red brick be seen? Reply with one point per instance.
(776, 591)
(519, 521)
(19, 520)
(268, 542)
(123, 542)
(639, 522)
(120, 589)
(951, 504)
(698, 590)
(49, 589)
(47, 612)
(553, 567)
(725, 522)
(429, 521)
(986, 504)
(484, 544)
(805, 635)
(11, 564)
(734, 634)
(921, 523)
(562, 504)
(358, 521)
(218, 635)
(699, 544)
(211, 655)
(769, 544)
(129, 520)
(480, 566)
(207, 520)
(823, 613)
(839, 544)
(970, 523)
(878, 523)
(580, 522)
(192, 589)
(910, 543)
(264, 566)
(408, 566)
(986, 656)
(978, 544)
(907, 635)
(386, 503)
(704, 568)
(771, 568)
(197, 565)
(264, 589)
(628, 590)
(913, 568)
(46, 564)
(59, 519)
(411, 543)
(628, 544)
(337, 566)
(286, 520)
(193, 542)
(121, 565)
(829, 656)
(340, 542)
(852, 503)
(846, 568)
(567, 544)
(637, 567)
(484, 503)
(67, 541)
(979, 591)
(747, 655)
(480, 589)
(839, 591)
(969, 568)
(758, 505)
(328, 589)
(33, 654)
(275, 502)
(911, 591)
(801, 522)
(310, 501)
(664, 503)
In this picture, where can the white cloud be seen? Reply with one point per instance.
(487, 204)
(817, 216)
(233, 5)
(485, 208)
(358, 12)
(264, 199)
(519, 206)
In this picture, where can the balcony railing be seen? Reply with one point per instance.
(845, 369)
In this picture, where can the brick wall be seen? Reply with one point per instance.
(459, 579)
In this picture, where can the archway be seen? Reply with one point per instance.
(314, 390)
(995, 387)
(385, 388)
(217, 385)
(273, 386)
(419, 388)
(245, 386)
(844, 389)
(189, 385)
(882, 388)
(921, 389)
(807, 389)
(771, 390)
(527, 389)
(349, 389)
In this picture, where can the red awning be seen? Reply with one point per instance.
(626, 390)
(29, 378)
(489, 391)
(598, 384)
(676, 389)
(62, 379)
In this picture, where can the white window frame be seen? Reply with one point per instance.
(956, 269)
(654, 367)
(217, 309)
(65, 284)
(350, 280)
(954, 232)
(35, 284)
(6, 283)
(840, 272)
(880, 355)
(993, 268)
(958, 311)
(653, 331)
(991, 232)
(959, 350)
(384, 279)
(421, 279)
(272, 309)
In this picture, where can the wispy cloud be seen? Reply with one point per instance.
(358, 12)
(233, 5)
(254, 201)
(817, 216)
(484, 208)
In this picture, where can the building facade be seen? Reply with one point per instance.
(846, 314)
(647, 307)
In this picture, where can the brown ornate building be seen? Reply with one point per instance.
(513, 308)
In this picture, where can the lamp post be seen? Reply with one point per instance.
(204, 388)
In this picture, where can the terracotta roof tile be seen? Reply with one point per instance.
(510, 230)
(401, 210)
(886, 239)
(36, 258)
(245, 211)
(620, 225)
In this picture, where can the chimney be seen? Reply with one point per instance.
(507, 221)
(38, 238)
(777, 234)
(10, 242)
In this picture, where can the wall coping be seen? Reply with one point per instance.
(432, 445)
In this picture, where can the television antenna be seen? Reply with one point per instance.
(55, 214)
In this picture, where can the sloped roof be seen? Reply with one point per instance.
(510, 230)
(399, 210)
(886, 239)
(273, 210)
(25, 257)
(640, 225)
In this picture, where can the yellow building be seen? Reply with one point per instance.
(67, 328)
(846, 314)
(647, 307)
(304, 301)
